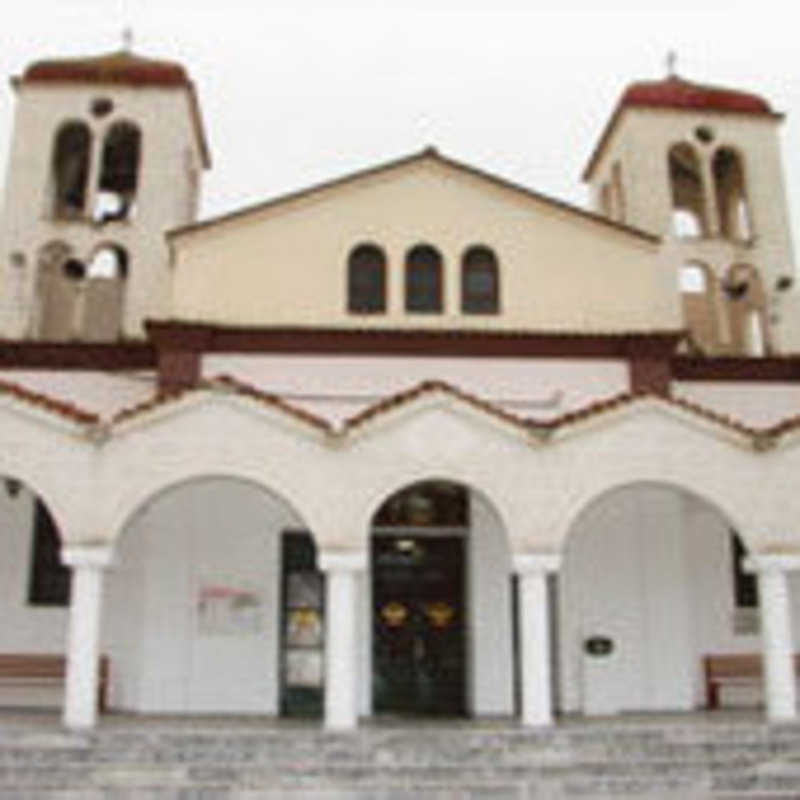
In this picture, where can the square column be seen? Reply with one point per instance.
(83, 640)
(776, 632)
(342, 610)
(534, 635)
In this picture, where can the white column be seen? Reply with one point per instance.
(534, 635)
(776, 632)
(83, 640)
(341, 636)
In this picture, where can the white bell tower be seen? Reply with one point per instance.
(701, 167)
(107, 154)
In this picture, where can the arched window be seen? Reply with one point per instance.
(688, 196)
(734, 212)
(746, 310)
(697, 284)
(58, 275)
(104, 299)
(423, 279)
(366, 280)
(480, 282)
(119, 173)
(70, 169)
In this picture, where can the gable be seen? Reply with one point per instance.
(285, 263)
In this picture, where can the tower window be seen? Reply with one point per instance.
(104, 299)
(366, 280)
(119, 173)
(479, 282)
(424, 279)
(70, 169)
(693, 279)
(734, 211)
(688, 195)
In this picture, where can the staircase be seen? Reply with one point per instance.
(717, 756)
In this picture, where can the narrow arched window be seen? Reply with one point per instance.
(480, 290)
(119, 173)
(688, 193)
(366, 280)
(697, 287)
(734, 212)
(747, 310)
(423, 279)
(70, 169)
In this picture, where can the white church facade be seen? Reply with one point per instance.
(417, 441)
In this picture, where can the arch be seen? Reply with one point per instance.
(747, 310)
(70, 169)
(104, 296)
(366, 279)
(442, 625)
(119, 172)
(688, 191)
(480, 281)
(643, 557)
(56, 291)
(424, 280)
(727, 169)
(698, 287)
(203, 562)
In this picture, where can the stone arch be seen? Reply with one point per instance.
(649, 568)
(747, 310)
(200, 575)
(730, 189)
(70, 163)
(119, 172)
(440, 577)
(687, 190)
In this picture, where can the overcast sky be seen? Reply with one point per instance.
(297, 92)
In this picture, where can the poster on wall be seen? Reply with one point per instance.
(228, 608)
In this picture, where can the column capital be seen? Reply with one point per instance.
(342, 560)
(772, 562)
(87, 555)
(541, 563)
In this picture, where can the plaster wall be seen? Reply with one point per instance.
(286, 264)
(336, 387)
(167, 656)
(169, 152)
(757, 404)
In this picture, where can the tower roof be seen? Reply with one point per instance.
(676, 93)
(120, 67)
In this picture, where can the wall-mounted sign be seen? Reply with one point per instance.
(598, 646)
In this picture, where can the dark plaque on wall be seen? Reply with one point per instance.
(598, 646)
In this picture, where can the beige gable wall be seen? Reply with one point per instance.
(287, 264)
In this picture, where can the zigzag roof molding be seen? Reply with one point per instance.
(61, 408)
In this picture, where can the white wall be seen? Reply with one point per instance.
(651, 568)
(336, 387)
(756, 403)
(210, 532)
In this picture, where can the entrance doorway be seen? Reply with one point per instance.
(419, 618)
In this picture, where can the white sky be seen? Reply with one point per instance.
(297, 92)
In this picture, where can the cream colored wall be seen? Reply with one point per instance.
(168, 145)
(640, 143)
(287, 265)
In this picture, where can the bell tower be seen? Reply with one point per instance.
(701, 167)
(106, 155)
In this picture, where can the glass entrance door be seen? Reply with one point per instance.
(418, 623)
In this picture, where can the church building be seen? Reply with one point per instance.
(416, 441)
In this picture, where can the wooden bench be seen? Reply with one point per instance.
(739, 669)
(45, 669)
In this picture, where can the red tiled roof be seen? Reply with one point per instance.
(232, 385)
(60, 407)
(120, 67)
(675, 92)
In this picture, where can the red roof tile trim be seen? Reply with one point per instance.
(232, 385)
(60, 407)
(531, 424)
